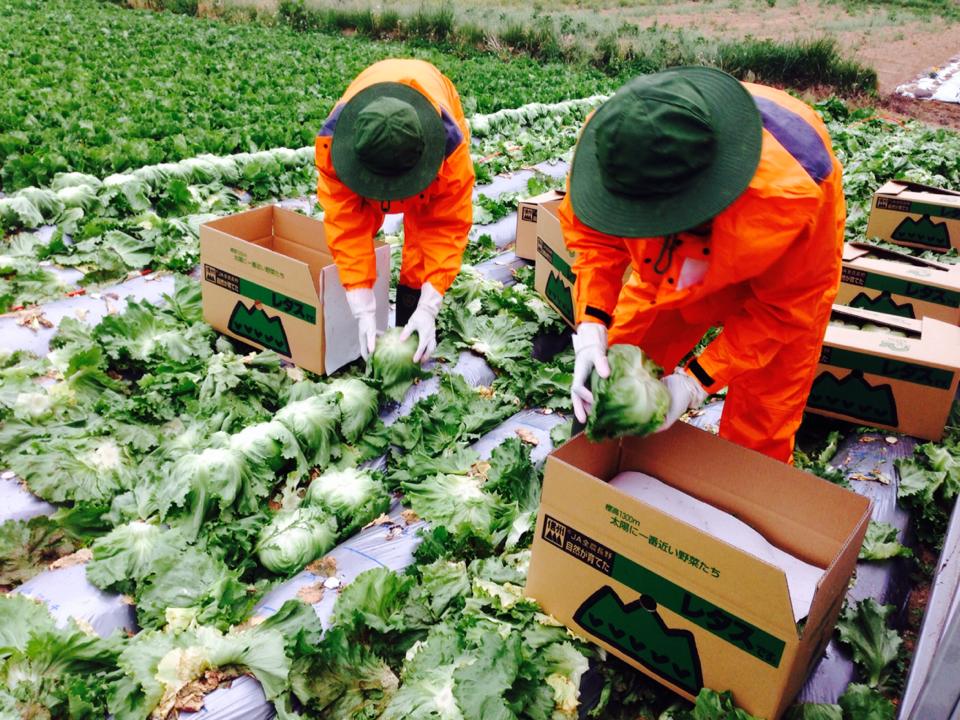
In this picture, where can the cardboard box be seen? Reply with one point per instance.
(681, 606)
(905, 384)
(916, 215)
(553, 275)
(526, 247)
(269, 280)
(899, 284)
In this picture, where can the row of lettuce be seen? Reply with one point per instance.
(107, 228)
(199, 478)
(104, 229)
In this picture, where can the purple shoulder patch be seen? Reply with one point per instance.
(797, 137)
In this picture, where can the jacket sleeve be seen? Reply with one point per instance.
(788, 284)
(601, 260)
(442, 225)
(350, 223)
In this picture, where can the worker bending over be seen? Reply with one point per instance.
(726, 200)
(397, 142)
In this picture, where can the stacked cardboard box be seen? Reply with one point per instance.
(915, 215)
(891, 358)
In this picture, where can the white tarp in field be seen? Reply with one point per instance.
(802, 578)
(942, 83)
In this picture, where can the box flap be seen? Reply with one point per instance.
(544, 197)
(936, 344)
(341, 342)
(852, 251)
(900, 186)
(249, 225)
(945, 338)
(845, 312)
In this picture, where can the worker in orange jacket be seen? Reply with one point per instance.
(397, 142)
(726, 200)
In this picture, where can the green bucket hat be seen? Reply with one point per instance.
(389, 142)
(666, 153)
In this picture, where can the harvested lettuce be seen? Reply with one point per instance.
(392, 364)
(632, 401)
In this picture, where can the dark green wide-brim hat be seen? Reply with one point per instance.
(666, 153)
(389, 142)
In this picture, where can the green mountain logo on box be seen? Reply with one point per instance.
(559, 294)
(638, 631)
(923, 232)
(883, 303)
(855, 397)
(253, 324)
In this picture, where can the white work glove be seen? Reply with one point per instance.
(363, 305)
(590, 346)
(686, 393)
(423, 322)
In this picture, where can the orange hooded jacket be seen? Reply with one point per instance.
(436, 221)
(767, 269)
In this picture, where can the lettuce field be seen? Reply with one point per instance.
(188, 524)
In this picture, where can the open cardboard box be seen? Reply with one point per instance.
(553, 275)
(908, 213)
(899, 284)
(906, 384)
(527, 212)
(678, 604)
(269, 280)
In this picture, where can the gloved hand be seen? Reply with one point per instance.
(363, 305)
(590, 346)
(686, 393)
(424, 323)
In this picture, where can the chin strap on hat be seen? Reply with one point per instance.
(670, 243)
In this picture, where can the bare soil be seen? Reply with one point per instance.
(898, 49)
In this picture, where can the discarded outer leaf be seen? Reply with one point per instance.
(409, 517)
(326, 565)
(870, 477)
(384, 519)
(313, 593)
(484, 391)
(528, 436)
(191, 696)
(80, 557)
(480, 469)
(34, 320)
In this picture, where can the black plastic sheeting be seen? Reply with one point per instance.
(888, 582)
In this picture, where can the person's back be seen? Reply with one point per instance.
(730, 209)
(397, 142)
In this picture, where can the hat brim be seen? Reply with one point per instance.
(363, 181)
(739, 135)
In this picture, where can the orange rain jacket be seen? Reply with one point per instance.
(767, 270)
(435, 222)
